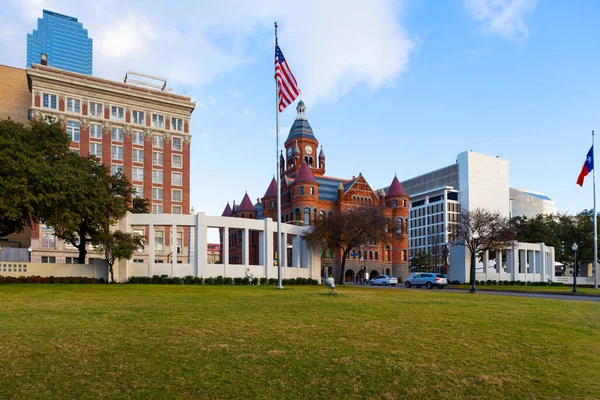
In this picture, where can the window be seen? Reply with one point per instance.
(117, 153)
(157, 141)
(73, 130)
(301, 190)
(137, 174)
(115, 169)
(76, 151)
(306, 215)
(157, 194)
(179, 242)
(399, 223)
(48, 238)
(176, 143)
(159, 241)
(117, 113)
(157, 158)
(157, 176)
(138, 191)
(312, 190)
(157, 209)
(176, 179)
(95, 131)
(71, 260)
(137, 117)
(140, 233)
(176, 209)
(158, 120)
(137, 155)
(395, 203)
(95, 109)
(49, 101)
(176, 195)
(137, 138)
(177, 124)
(117, 134)
(138, 260)
(73, 105)
(48, 259)
(177, 161)
(96, 150)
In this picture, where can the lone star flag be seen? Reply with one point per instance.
(587, 166)
(287, 87)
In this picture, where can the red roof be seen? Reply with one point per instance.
(305, 174)
(226, 211)
(272, 190)
(246, 204)
(395, 189)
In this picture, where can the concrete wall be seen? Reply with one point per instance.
(447, 176)
(96, 270)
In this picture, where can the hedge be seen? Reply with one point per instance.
(219, 280)
(49, 279)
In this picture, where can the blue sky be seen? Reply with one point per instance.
(391, 87)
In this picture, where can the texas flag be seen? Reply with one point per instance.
(587, 166)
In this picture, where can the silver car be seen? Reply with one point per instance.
(385, 280)
(427, 279)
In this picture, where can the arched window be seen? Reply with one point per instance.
(306, 159)
(314, 215)
(301, 190)
(387, 253)
(376, 255)
(297, 215)
(370, 255)
(395, 203)
(399, 223)
(310, 162)
(306, 216)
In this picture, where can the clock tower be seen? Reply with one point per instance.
(301, 146)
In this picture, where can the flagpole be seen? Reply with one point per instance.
(279, 285)
(595, 223)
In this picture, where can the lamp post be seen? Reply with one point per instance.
(475, 236)
(574, 247)
(29, 251)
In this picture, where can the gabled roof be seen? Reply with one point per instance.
(226, 211)
(395, 189)
(246, 204)
(305, 174)
(272, 189)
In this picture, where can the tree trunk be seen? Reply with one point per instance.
(342, 268)
(112, 276)
(82, 249)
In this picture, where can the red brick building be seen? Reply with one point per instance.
(306, 193)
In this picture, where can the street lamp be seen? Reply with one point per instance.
(29, 251)
(475, 236)
(574, 247)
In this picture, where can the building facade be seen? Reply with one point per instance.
(142, 132)
(63, 41)
(527, 203)
(307, 193)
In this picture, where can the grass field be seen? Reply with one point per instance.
(566, 290)
(167, 342)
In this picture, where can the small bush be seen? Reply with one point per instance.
(198, 280)
(263, 281)
(254, 281)
(228, 281)
(237, 281)
(209, 281)
(272, 281)
(188, 280)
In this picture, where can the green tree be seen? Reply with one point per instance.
(116, 245)
(481, 230)
(92, 200)
(345, 230)
(419, 263)
(28, 188)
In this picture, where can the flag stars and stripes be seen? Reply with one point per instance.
(287, 87)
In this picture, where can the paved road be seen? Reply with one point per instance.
(498, 293)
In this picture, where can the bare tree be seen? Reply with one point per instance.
(345, 230)
(481, 230)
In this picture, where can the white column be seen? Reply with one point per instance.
(268, 246)
(151, 250)
(201, 244)
(261, 248)
(486, 261)
(246, 248)
(284, 252)
(225, 250)
(173, 248)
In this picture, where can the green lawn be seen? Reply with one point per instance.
(581, 291)
(166, 342)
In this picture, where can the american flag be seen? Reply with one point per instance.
(286, 83)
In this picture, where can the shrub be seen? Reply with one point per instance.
(188, 280)
(198, 280)
(237, 281)
(219, 280)
(263, 281)
(254, 281)
(228, 281)
(209, 281)
(245, 280)
(272, 281)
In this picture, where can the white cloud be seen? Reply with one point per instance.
(331, 46)
(503, 17)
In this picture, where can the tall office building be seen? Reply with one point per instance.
(64, 42)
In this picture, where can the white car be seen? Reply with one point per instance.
(427, 279)
(385, 280)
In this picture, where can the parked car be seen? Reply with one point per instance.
(384, 280)
(427, 279)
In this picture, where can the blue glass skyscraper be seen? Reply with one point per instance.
(63, 40)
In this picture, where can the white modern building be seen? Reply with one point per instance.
(527, 203)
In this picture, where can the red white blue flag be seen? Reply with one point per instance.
(587, 166)
(287, 87)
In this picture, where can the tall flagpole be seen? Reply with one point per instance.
(595, 222)
(279, 285)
